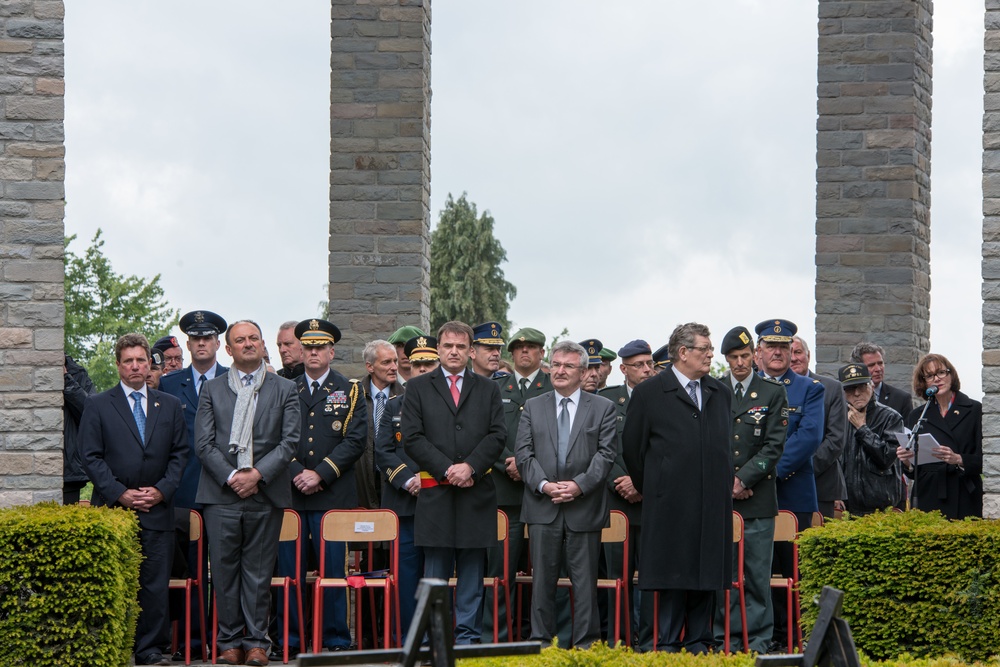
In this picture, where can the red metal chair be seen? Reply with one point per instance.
(738, 584)
(291, 531)
(196, 535)
(786, 528)
(496, 584)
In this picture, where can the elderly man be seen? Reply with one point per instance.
(453, 429)
(290, 350)
(380, 385)
(173, 356)
(487, 345)
(759, 415)
(676, 445)
(831, 489)
(870, 463)
(246, 432)
(133, 444)
(566, 442)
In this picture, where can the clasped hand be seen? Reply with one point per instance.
(561, 492)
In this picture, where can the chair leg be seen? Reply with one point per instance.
(317, 619)
(618, 613)
(201, 617)
(743, 619)
(285, 629)
(726, 621)
(790, 620)
(302, 619)
(496, 610)
(187, 623)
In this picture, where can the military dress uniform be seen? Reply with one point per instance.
(333, 435)
(760, 420)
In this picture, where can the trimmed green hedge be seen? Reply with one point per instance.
(69, 577)
(913, 582)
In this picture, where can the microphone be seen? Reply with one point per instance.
(931, 391)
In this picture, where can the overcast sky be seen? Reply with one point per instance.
(647, 163)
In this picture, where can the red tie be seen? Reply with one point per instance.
(454, 388)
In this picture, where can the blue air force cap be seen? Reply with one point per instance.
(487, 333)
(776, 331)
(593, 348)
(202, 323)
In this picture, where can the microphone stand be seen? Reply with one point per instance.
(914, 444)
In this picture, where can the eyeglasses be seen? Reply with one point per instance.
(941, 374)
(570, 367)
(703, 348)
(641, 364)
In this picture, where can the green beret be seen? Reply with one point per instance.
(527, 335)
(403, 334)
(607, 355)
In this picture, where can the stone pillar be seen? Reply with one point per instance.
(31, 251)
(991, 262)
(873, 181)
(380, 125)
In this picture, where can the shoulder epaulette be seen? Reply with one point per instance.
(771, 380)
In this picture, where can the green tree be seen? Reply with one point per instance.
(467, 283)
(102, 305)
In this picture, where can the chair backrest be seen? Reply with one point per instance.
(194, 526)
(617, 531)
(737, 527)
(360, 526)
(786, 527)
(818, 519)
(291, 526)
(501, 526)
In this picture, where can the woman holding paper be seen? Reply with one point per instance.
(954, 485)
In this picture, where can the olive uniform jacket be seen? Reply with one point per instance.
(619, 396)
(510, 492)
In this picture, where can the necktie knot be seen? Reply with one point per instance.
(739, 390)
(314, 386)
(247, 379)
(692, 388)
(523, 382)
(139, 416)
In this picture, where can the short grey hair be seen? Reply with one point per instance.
(569, 347)
(290, 324)
(370, 353)
(803, 343)
(863, 348)
(684, 336)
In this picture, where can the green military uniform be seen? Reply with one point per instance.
(759, 424)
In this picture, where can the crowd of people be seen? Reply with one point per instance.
(443, 434)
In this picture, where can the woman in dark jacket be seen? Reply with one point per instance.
(869, 458)
(954, 486)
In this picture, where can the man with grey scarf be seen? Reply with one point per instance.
(246, 431)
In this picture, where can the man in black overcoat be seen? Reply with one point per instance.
(676, 448)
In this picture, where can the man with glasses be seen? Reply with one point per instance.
(795, 480)
(636, 365)
(173, 356)
(676, 445)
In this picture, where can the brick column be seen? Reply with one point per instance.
(873, 181)
(31, 251)
(991, 263)
(379, 171)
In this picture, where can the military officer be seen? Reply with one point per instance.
(401, 476)
(527, 347)
(636, 365)
(661, 358)
(333, 436)
(796, 483)
(607, 356)
(487, 344)
(592, 376)
(398, 340)
(760, 410)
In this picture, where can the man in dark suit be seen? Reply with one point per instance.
(760, 419)
(564, 455)
(334, 431)
(831, 488)
(676, 445)
(246, 432)
(134, 452)
(401, 479)
(379, 386)
(527, 347)
(873, 356)
(637, 365)
(453, 428)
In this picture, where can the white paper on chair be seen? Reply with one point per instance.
(364, 527)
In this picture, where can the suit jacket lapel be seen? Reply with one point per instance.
(152, 414)
(263, 396)
(468, 380)
(124, 408)
(443, 386)
(581, 416)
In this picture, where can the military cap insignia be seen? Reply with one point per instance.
(336, 425)
(199, 316)
(521, 339)
(313, 325)
(421, 341)
(777, 329)
(744, 338)
(493, 331)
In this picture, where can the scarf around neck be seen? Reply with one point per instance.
(241, 433)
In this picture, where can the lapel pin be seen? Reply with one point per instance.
(753, 394)
(156, 405)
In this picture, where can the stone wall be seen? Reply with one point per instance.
(31, 250)
(873, 181)
(379, 170)
(991, 262)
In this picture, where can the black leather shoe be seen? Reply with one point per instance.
(152, 659)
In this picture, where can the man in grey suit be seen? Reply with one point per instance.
(246, 431)
(564, 455)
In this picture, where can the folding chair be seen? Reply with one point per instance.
(497, 583)
(786, 528)
(521, 579)
(738, 585)
(196, 535)
(358, 525)
(818, 519)
(291, 531)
